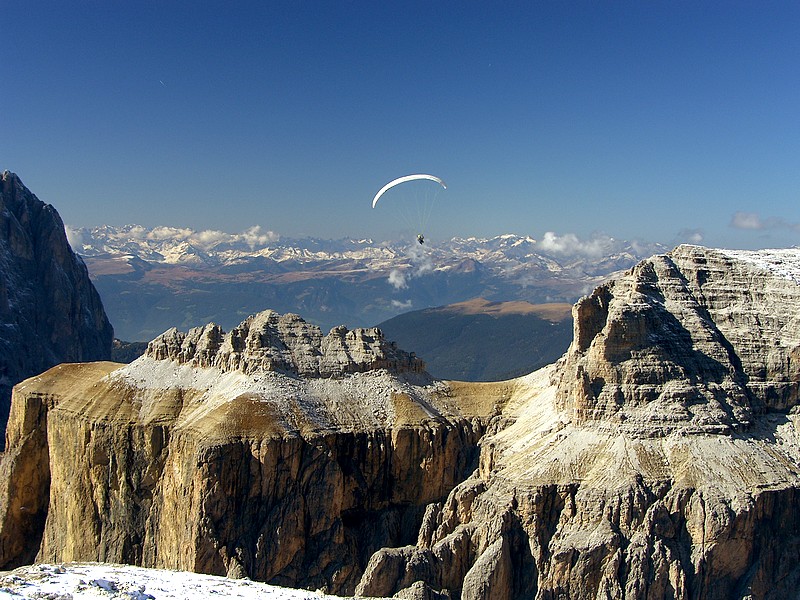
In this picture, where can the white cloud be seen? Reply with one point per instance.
(398, 279)
(402, 305)
(746, 220)
(570, 244)
(691, 236)
(167, 233)
(206, 239)
(253, 237)
(74, 237)
(137, 232)
(752, 221)
(421, 264)
(420, 260)
(210, 237)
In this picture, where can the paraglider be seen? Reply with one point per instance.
(400, 180)
(415, 213)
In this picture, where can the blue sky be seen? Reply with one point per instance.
(662, 121)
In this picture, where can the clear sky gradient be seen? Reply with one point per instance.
(661, 121)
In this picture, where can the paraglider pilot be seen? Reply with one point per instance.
(420, 239)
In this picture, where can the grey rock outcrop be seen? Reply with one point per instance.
(286, 343)
(49, 310)
(657, 459)
(695, 340)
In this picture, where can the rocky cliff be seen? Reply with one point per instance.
(49, 310)
(270, 451)
(657, 459)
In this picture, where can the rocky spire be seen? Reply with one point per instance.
(696, 339)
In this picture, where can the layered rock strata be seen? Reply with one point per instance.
(659, 458)
(49, 310)
(212, 453)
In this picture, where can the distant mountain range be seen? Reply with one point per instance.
(151, 279)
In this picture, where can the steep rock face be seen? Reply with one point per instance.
(49, 310)
(658, 459)
(237, 469)
(697, 338)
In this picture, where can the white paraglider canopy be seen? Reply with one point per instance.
(400, 180)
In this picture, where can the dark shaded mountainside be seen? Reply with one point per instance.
(478, 340)
(658, 458)
(49, 310)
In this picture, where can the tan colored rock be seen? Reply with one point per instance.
(174, 462)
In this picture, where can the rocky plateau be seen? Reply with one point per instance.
(271, 451)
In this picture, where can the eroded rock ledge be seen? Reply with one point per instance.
(269, 341)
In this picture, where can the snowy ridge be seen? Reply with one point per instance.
(197, 277)
(356, 400)
(172, 245)
(95, 581)
(781, 262)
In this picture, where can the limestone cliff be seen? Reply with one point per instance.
(271, 451)
(659, 458)
(49, 310)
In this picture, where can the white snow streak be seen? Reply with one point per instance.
(95, 581)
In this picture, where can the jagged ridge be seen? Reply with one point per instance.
(268, 341)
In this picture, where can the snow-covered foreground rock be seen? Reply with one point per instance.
(75, 581)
